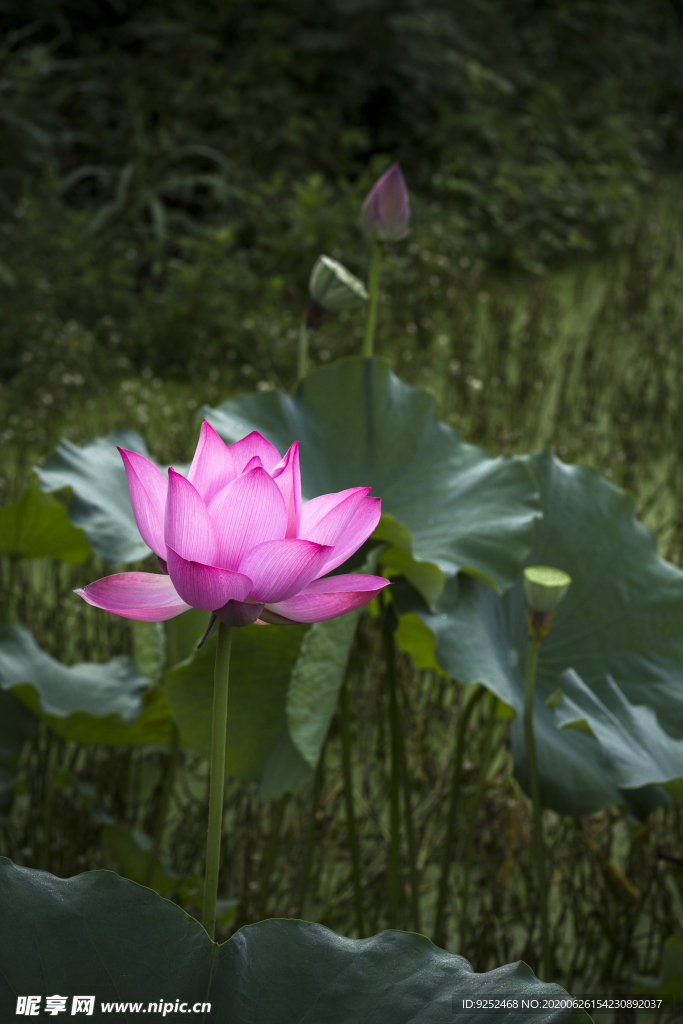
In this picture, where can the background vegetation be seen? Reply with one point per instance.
(170, 173)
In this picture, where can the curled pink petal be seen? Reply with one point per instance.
(327, 598)
(254, 444)
(314, 510)
(206, 586)
(281, 568)
(249, 511)
(287, 476)
(148, 488)
(135, 595)
(212, 466)
(188, 528)
(346, 526)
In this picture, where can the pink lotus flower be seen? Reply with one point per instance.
(234, 538)
(386, 210)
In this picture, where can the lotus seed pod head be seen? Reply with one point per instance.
(334, 287)
(544, 587)
(386, 210)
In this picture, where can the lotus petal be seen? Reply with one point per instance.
(148, 488)
(327, 598)
(346, 526)
(206, 586)
(317, 508)
(212, 466)
(287, 476)
(249, 511)
(281, 568)
(188, 527)
(254, 444)
(144, 596)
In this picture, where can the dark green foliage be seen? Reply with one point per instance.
(122, 942)
(172, 170)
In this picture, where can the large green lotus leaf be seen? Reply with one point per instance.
(636, 750)
(445, 502)
(259, 747)
(316, 680)
(105, 936)
(622, 616)
(37, 526)
(99, 503)
(16, 726)
(106, 703)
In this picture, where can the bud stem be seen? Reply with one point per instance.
(373, 292)
(535, 787)
(303, 351)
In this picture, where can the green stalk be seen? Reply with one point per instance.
(469, 705)
(217, 777)
(395, 785)
(302, 369)
(410, 834)
(474, 814)
(278, 814)
(373, 295)
(536, 808)
(350, 813)
(163, 806)
(310, 838)
(9, 609)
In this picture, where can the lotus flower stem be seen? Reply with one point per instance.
(474, 814)
(350, 813)
(536, 808)
(302, 368)
(373, 292)
(278, 814)
(162, 813)
(312, 829)
(469, 703)
(217, 776)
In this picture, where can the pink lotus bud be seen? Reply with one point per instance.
(386, 210)
(234, 538)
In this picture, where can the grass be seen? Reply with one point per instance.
(587, 358)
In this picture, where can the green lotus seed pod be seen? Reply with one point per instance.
(544, 587)
(335, 288)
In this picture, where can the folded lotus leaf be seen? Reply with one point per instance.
(108, 703)
(99, 503)
(622, 617)
(636, 750)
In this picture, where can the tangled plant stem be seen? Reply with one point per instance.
(469, 704)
